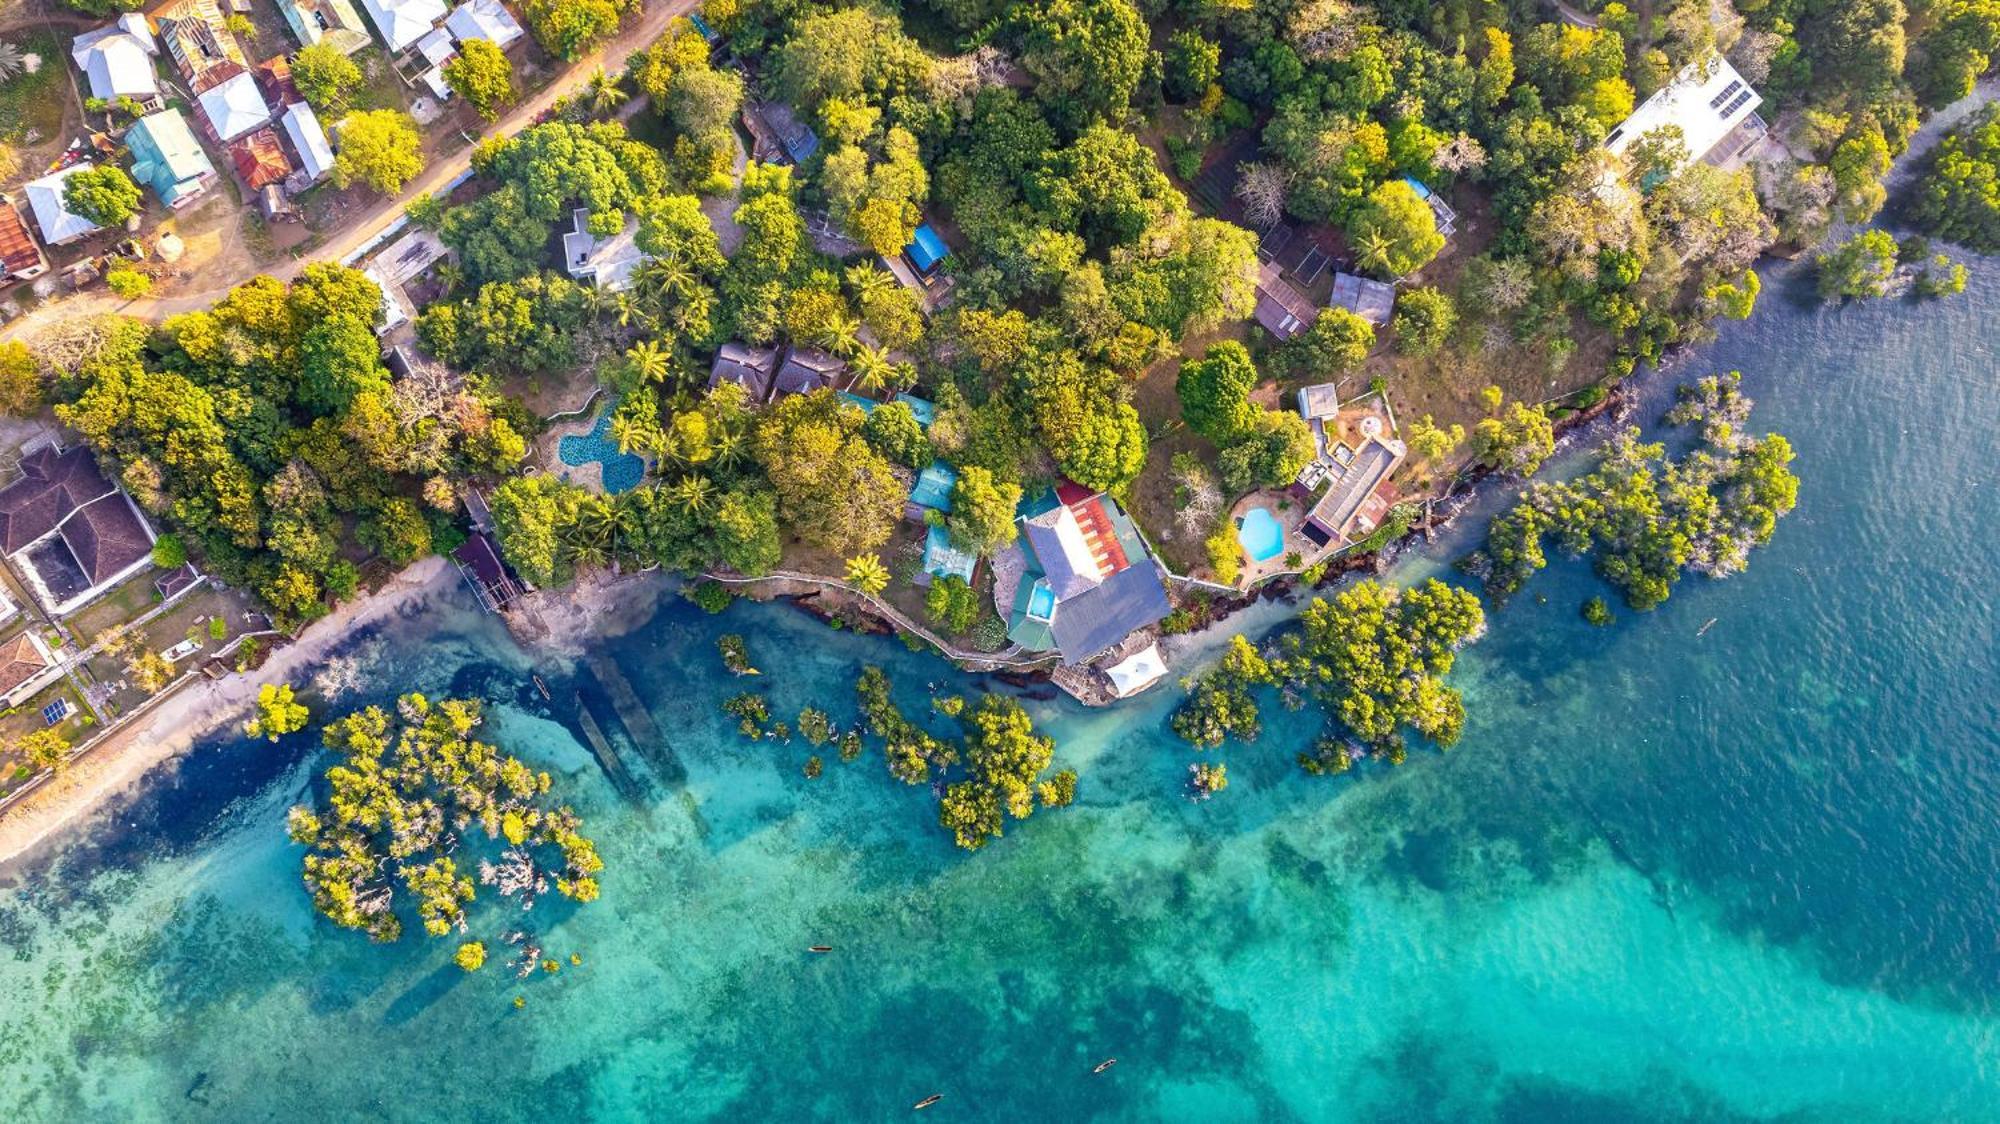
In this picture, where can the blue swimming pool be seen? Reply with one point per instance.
(622, 471)
(1042, 602)
(1262, 536)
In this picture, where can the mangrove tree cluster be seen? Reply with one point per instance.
(1644, 516)
(413, 798)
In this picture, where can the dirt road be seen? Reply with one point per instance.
(653, 20)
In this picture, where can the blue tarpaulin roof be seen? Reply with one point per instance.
(926, 249)
(924, 411)
(941, 559)
(701, 25)
(1417, 186)
(934, 485)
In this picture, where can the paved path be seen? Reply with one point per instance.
(611, 56)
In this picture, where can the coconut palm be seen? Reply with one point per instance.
(729, 447)
(650, 362)
(627, 310)
(866, 573)
(868, 281)
(871, 370)
(1374, 249)
(840, 334)
(693, 494)
(11, 62)
(626, 433)
(604, 94)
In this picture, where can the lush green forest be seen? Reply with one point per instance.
(1068, 149)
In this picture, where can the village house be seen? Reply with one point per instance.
(167, 158)
(21, 258)
(484, 19)
(1373, 301)
(234, 106)
(1281, 308)
(334, 22)
(807, 369)
(401, 23)
(1355, 473)
(68, 533)
(26, 666)
(200, 44)
(60, 225)
(309, 144)
(117, 61)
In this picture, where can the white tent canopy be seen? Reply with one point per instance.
(1137, 672)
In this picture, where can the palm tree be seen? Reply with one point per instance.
(839, 335)
(866, 573)
(627, 310)
(694, 494)
(604, 94)
(12, 62)
(871, 370)
(650, 362)
(868, 281)
(729, 447)
(1373, 249)
(625, 433)
(449, 274)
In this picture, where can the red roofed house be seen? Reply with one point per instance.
(20, 257)
(26, 666)
(260, 159)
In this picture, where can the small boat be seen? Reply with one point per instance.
(929, 1101)
(1105, 1064)
(1704, 628)
(541, 686)
(820, 948)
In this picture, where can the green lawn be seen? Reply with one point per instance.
(35, 101)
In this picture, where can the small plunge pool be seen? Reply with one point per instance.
(1262, 536)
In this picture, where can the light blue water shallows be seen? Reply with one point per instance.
(1261, 534)
(1738, 874)
(622, 470)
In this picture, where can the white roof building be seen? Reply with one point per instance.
(118, 59)
(403, 22)
(234, 107)
(483, 19)
(1706, 101)
(315, 154)
(609, 263)
(45, 198)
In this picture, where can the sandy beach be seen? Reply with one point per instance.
(124, 758)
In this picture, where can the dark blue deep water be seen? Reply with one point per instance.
(1746, 875)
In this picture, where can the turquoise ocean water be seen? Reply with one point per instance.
(1748, 875)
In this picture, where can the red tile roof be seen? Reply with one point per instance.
(20, 661)
(17, 247)
(260, 159)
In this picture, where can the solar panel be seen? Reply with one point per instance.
(55, 712)
(1742, 99)
(1724, 95)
